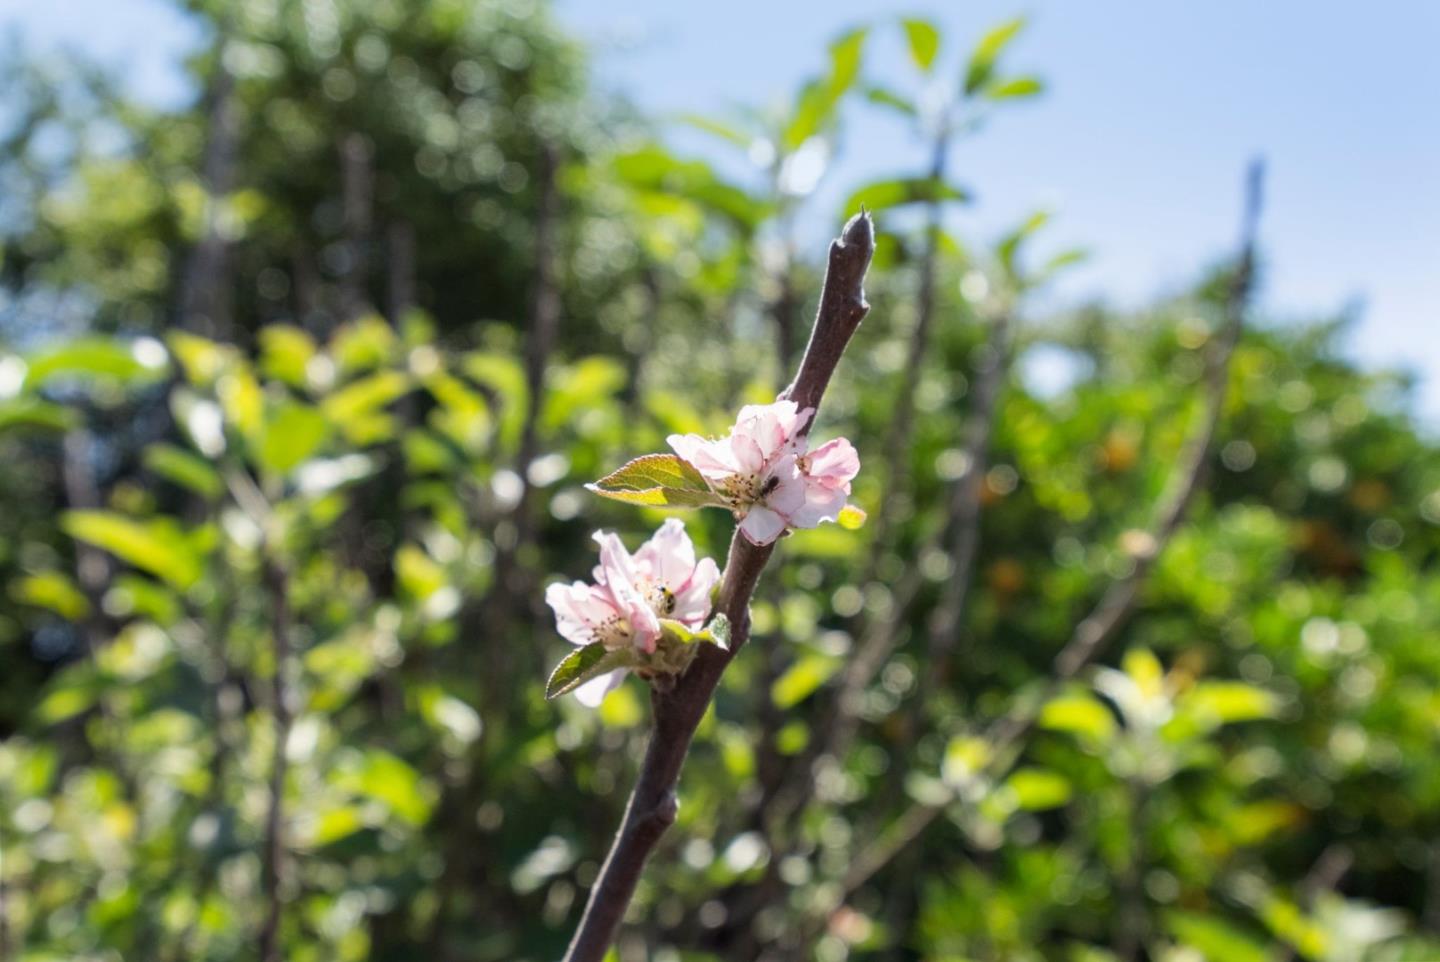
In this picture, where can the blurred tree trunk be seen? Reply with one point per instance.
(205, 295)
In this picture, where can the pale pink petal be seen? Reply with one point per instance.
(834, 464)
(761, 525)
(713, 459)
(579, 608)
(692, 599)
(669, 556)
(747, 452)
(620, 578)
(593, 692)
(822, 503)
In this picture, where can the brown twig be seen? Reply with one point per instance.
(897, 436)
(1094, 632)
(677, 712)
(273, 863)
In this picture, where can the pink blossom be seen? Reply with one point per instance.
(629, 596)
(763, 471)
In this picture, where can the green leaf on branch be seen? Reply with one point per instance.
(95, 357)
(982, 60)
(802, 679)
(924, 40)
(32, 412)
(181, 467)
(157, 546)
(292, 434)
(583, 664)
(1015, 88)
(885, 97)
(1037, 789)
(852, 518)
(659, 480)
(717, 632)
(903, 190)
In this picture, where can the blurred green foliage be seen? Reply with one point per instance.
(268, 379)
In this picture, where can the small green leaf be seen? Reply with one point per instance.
(1015, 88)
(924, 39)
(183, 468)
(885, 97)
(1037, 789)
(32, 412)
(1215, 703)
(801, 679)
(54, 591)
(95, 357)
(286, 352)
(583, 664)
(902, 190)
(719, 129)
(719, 630)
(852, 518)
(987, 51)
(291, 435)
(156, 546)
(658, 480)
(1080, 715)
(1216, 939)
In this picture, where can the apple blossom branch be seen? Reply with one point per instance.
(1093, 634)
(677, 711)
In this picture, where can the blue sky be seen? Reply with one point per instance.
(1138, 148)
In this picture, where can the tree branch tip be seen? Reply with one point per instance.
(859, 231)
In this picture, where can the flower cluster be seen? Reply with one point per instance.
(645, 612)
(623, 609)
(764, 473)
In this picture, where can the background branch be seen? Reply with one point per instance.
(1093, 633)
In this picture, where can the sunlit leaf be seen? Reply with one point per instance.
(660, 480)
(32, 412)
(96, 357)
(586, 663)
(285, 353)
(1015, 88)
(1214, 938)
(184, 468)
(292, 433)
(982, 60)
(802, 679)
(1037, 789)
(1079, 715)
(719, 129)
(885, 97)
(923, 38)
(894, 192)
(54, 591)
(156, 545)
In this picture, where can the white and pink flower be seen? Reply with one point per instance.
(630, 594)
(764, 473)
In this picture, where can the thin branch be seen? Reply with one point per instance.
(897, 437)
(205, 300)
(1099, 628)
(965, 508)
(273, 863)
(677, 712)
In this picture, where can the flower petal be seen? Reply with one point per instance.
(761, 525)
(835, 463)
(593, 692)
